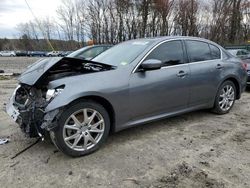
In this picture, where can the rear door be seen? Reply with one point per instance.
(206, 68)
(165, 90)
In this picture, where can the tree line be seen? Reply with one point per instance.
(114, 21)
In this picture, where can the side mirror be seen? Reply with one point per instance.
(151, 64)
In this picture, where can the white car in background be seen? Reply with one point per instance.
(53, 54)
(7, 53)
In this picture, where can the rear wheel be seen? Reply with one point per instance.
(225, 98)
(82, 129)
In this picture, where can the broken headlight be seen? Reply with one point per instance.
(52, 93)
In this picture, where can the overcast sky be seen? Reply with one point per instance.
(13, 12)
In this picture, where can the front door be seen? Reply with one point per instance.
(165, 90)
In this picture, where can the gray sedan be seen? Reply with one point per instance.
(79, 102)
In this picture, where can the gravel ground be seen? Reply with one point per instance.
(16, 64)
(199, 149)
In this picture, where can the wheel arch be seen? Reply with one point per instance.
(236, 83)
(102, 101)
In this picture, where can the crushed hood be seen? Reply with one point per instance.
(42, 67)
(36, 70)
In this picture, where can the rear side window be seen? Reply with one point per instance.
(170, 53)
(198, 51)
(215, 52)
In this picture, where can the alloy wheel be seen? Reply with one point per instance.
(83, 129)
(227, 97)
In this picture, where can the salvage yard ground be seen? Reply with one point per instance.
(199, 149)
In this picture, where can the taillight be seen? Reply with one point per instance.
(244, 65)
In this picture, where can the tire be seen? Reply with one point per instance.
(84, 136)
(225, 98)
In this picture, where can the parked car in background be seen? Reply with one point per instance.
(244, 55)
(65, 53)
(7, 53)
(241, 53)
(89, 52)
(78, 102)
(246, 61)
(36, 53)
(21, 53)
(53, 54)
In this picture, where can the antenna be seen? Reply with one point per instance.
(39, 25)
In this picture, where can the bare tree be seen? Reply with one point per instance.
(235, 20)
(66, 13)
(114, 21)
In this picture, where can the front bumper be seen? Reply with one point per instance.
(31, 118)
(11, 110)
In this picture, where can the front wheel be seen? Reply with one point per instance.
(82, 128)
(225, 98)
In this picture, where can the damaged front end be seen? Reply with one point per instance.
(27, 106)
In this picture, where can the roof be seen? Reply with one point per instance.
(163, 38)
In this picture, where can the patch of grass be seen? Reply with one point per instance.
(5, 78)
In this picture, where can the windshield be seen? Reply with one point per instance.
(77, 52)
(124, 53)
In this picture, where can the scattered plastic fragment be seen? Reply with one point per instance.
(4, 141)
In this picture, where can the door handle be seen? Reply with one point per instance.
(182, 74)
(219, 66)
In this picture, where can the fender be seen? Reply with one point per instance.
(232, 77)
(62, 101)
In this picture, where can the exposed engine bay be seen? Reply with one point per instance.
(30, 101)
(72, 67)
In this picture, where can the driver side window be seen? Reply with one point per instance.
(169, 53)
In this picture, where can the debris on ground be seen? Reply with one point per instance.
(191, 176)
(14, 164)
(70, 173)
(4, 141)
(8, 76)
(25, 149)
(133, 180)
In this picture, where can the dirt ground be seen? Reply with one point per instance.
(199, 149)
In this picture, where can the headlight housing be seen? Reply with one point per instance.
(52, 93)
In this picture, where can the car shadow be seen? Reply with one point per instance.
(247, 90)
(136, 133)
(167, 124)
